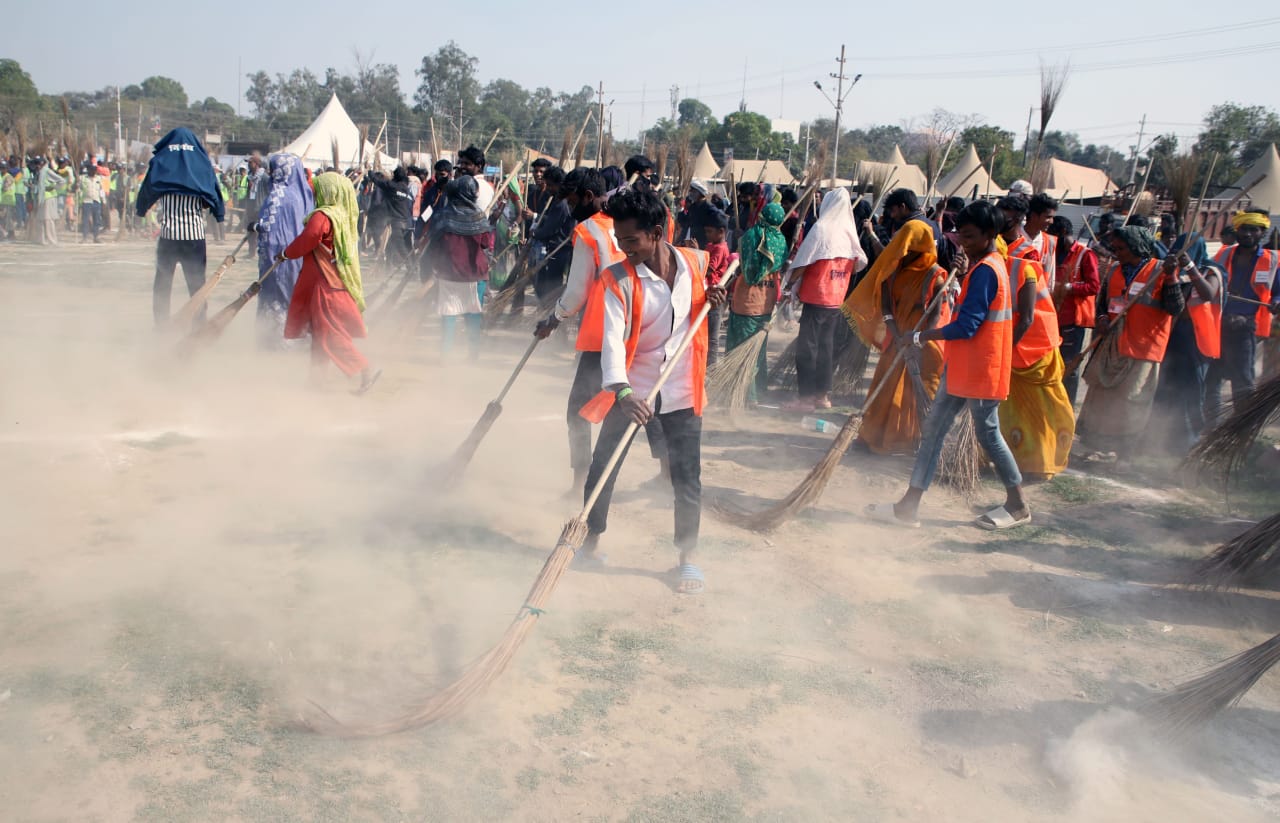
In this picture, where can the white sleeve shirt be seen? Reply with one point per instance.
(582, 274)
(664, 323)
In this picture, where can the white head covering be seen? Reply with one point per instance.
(698, 186)
(834, 236)
(1020, 187)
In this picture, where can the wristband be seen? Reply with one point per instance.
(887, 318)
(623, 393)
(915, 339)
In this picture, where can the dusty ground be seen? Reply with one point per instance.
(192, 553)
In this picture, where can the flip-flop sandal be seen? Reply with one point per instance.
(999, 518)
(364, 387)
(884, 513)
(691, 580)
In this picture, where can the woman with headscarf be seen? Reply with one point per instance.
(827, 259)
(1125, 369)
(887, 303)
(762, 252)
(281, 219)
(461, 240)
(328, 296)
(48, 186)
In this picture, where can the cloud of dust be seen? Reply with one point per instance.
(297, 533)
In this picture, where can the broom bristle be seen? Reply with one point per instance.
(960, 464)
(809, 490)
(450, 473)
(1196, 702)
(851, 366)
(730, 380)
(783, 368)
(1247, 557)
(1223, 450)
(663, 151)
(566, 146)
(479, 675)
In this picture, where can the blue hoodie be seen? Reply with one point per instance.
(180, 165)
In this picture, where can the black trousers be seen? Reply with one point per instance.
(714, 319)
(586, 385)
(190, 254)
(1073, 338)
(682, 431)
(1239, 348)
(815, 347)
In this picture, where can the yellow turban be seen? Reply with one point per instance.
(1250, 218)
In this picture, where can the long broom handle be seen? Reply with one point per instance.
(633, 426)
(511, 381)
(901, 350)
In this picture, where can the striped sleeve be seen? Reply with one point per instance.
(182, 217)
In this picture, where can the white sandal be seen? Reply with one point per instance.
(884, 513)
(999, 518)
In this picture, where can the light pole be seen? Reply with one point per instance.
(838, 104)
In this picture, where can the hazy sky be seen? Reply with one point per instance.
(913, 56)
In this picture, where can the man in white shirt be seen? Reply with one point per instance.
(471, 161)
(669, 285)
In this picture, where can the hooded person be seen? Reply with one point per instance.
(462, 238)
(182, 186)
(328, 297)
(827, 259)
(282, 218)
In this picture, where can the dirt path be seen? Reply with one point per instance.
(195, 551)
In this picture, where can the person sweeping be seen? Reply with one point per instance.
(762, 252)
(328, 298)
(650, 299)
(827, 259)
(282, 218)
(977, 361)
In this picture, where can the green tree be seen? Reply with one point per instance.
(448, 81)
(695, 113)
(164, 90)
(989, 140)
(750, 135)
(1239, 134)
(18, 94)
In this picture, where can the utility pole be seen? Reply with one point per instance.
(119, 128)
(600, 129)
(838, 103)
(1133, 170)
(675, 102)
(460, 146)
(742, 101)
(644, 87)
(808, 132)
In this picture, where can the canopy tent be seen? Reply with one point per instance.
(897, 171)
(1072, 182)
(1264, 177)
(315, 145)
(763, 171)
(968, 174)
(704, 165)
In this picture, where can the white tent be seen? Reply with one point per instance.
(897, 171)
(315, 145)
(763, 171)
(967, 174)
(704, 165)
(1073, 182)
(1262, 181)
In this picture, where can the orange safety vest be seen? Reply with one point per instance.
(978, 368)
(1023, 248)
(598, 407)
(1147, 326)
(1206, 321)
(1264, 274)
(1043, 334)
(596, 235)
(1076, 310)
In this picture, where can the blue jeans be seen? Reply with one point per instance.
(1239, 348)
(986, 424)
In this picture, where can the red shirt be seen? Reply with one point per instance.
(826, 282)
(718, 262)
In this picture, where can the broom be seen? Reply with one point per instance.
(503, 299)
(214, 327)
(811, 488)
(1224, 449)
(783, 368)
(960, 463)
(450, 473)
(485, 670)
(1247, 557)
(1196, 702)
(183, 317)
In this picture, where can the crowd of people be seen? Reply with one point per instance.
(984, 307)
